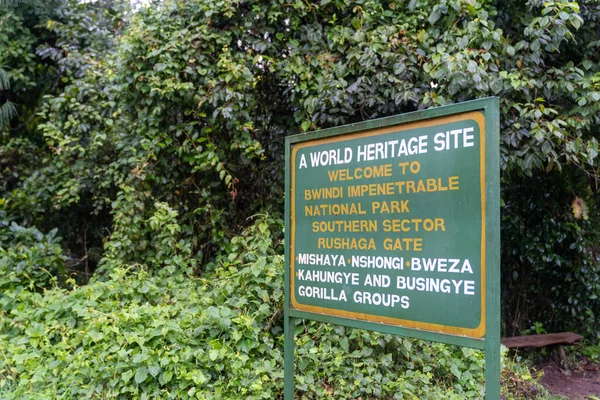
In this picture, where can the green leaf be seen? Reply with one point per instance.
(154, 370)
(4, 80)
(435, 15)
(592, 154)
(96, 336)
(198, 377)
(167, 376)
(263, 227)
(305, 125)
(35, 330)
(141, 374)
(455, 371)
(126, 376)
(546, 147)
(576, 21)
(563, 15)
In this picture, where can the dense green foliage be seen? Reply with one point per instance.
(28, 257)
(148, 140)
(219, 336)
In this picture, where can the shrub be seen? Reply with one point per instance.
(28, 257)
(219, 336)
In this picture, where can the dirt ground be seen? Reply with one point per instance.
(578, 382)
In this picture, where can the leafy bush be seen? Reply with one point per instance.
(53, 154)
(28, 257)
(219, 336)
(150, 151)
(553, 252)
(195, 124)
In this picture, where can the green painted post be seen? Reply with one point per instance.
(288, 358)
(492, 366)
(288, 329)
(492, 339)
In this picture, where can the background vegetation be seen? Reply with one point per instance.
(141, 159)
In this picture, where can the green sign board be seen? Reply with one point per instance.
(393, 225)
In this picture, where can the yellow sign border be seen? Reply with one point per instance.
(479, 331)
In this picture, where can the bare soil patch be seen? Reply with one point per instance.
(575, 383)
